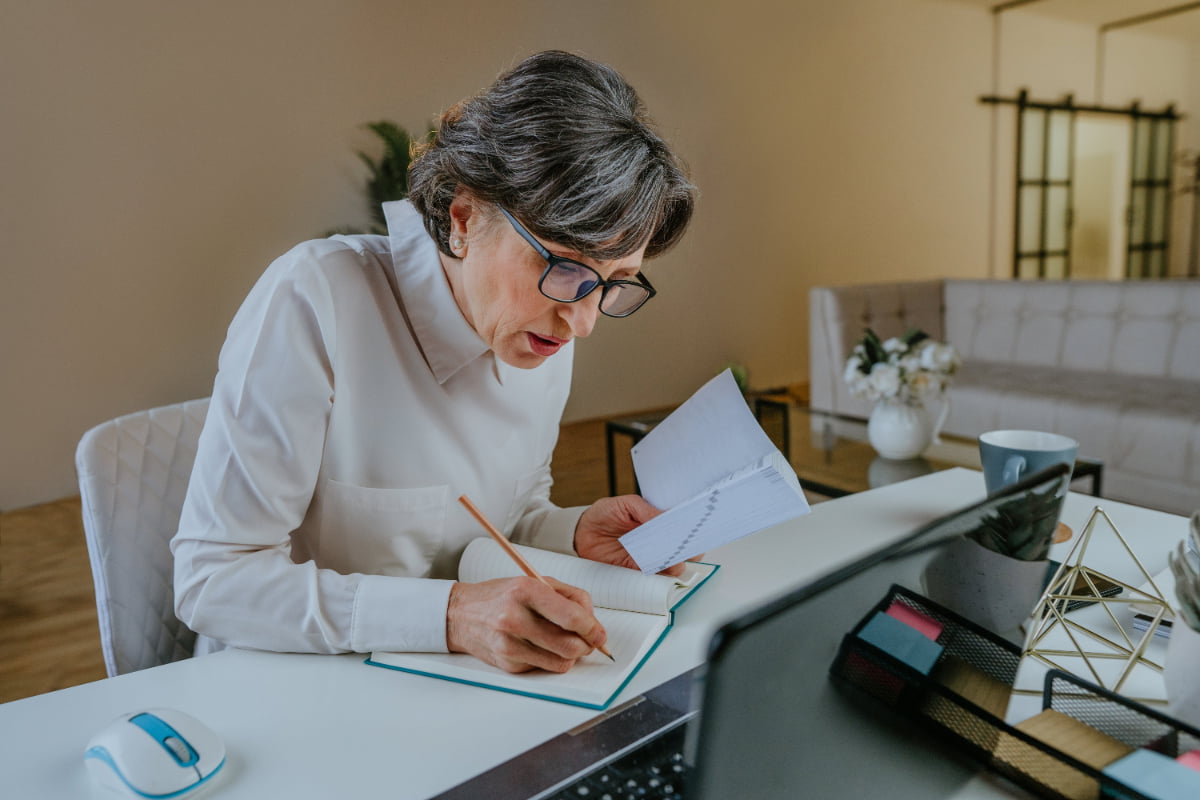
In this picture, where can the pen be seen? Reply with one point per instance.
(513, 553)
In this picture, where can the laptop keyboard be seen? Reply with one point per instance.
(654, 771)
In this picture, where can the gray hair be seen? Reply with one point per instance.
(565, 145)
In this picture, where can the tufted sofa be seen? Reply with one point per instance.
(1114, 365)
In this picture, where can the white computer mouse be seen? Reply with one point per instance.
(159, 752)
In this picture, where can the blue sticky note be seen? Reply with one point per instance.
(902, 642)
(1156, 775)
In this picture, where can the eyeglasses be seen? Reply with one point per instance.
(567, 281)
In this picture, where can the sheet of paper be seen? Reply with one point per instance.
(751, 502)
(710, 436)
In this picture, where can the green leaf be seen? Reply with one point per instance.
(1187, 585)
(1023, 527)
(387, 178)
(913, 336)
(874, 349)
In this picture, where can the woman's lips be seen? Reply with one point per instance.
(544, 345)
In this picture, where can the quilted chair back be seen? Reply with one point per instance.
(133, 475)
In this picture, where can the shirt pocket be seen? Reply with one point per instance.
(381, 531)
(522, 493)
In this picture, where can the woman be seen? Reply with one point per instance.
(367, 381)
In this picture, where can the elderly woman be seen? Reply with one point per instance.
(367, 381)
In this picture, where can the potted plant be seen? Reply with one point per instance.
(387, 178)
(995, 574)
(900, 374)
(1183, 650)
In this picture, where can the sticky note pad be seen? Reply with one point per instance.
(915, 619)
(1156, 775)
(1190, 759)
(902, 642)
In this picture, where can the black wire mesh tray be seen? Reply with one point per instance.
(963, 699)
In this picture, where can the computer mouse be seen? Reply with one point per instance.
(159, 752)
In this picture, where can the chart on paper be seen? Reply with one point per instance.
(747, 503)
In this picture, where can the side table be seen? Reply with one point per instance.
(839, 461)
(635, 427)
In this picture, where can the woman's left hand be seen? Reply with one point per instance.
(599, 530)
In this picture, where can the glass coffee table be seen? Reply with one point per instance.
(829, 452)
(832, 457)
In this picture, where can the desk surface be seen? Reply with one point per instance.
(303, 726)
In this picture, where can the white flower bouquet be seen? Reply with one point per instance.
(907, 369)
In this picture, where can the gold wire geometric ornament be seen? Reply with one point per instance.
(1074, 582)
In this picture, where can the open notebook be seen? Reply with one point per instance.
(635, 609)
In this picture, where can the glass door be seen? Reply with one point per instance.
(1149, 212)
(1045, 157)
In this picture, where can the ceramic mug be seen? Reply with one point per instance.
(1009, 456)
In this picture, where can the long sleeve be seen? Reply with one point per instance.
(256, 468)
(544, 525)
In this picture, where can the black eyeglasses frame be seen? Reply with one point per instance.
(603, 285)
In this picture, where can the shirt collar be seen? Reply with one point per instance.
(443, 333)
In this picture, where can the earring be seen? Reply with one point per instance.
(456, 244)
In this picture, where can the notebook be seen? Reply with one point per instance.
(762, 718)
(636, 610)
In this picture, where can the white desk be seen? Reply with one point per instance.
(328, 726)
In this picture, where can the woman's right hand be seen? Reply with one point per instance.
(519, 624)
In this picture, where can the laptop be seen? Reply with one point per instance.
(762, 717)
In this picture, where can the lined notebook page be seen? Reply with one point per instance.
(609, 586)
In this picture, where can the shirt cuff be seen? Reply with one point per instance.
(401, 615)
(555, 530)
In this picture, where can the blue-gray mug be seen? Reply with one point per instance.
(1009, 456)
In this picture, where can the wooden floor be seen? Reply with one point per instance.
(48, 632)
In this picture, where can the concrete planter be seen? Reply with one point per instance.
(990, 589)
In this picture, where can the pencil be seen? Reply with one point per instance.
(513, 553)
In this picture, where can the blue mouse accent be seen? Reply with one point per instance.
(160, 732)
(102, 755)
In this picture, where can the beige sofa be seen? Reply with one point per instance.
(1114, 365)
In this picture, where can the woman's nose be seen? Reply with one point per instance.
(581, 315)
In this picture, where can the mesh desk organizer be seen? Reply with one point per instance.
(960, 693)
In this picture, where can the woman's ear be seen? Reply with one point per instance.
(465, 221)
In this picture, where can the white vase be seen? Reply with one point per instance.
(898, 430)
(1181, 674)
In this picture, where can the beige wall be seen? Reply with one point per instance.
(157, 155)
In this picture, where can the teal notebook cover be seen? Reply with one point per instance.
(594, 682)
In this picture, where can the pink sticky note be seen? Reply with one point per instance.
(915, 619)
(1190, 759)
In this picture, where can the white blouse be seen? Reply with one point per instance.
(352, 405)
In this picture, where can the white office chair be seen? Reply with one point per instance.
(133, 475)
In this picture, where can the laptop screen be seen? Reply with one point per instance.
(775, 723)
